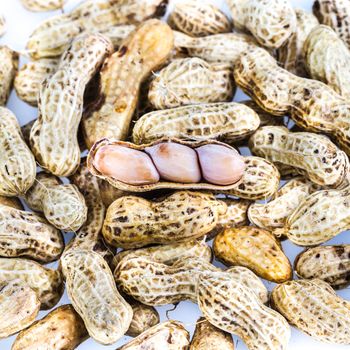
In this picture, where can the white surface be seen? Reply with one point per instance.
(20, 23)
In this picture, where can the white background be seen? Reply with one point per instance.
(20, 24)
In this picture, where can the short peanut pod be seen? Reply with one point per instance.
(62, 204)
(8, 69)
(230, 122)
(43, 5)
(62, 328)
(313, 307)
(328, 263)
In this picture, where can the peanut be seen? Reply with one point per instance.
(312, 155)
(109, 193)
(313, 307)
(43, 5)
(232, 307)
(335, 14)
(230, 122)
(274, 214)
(140, 53)
(2, 25)
(62, 328)
(170, 335)
(208, 337)
(17, 163)
(92, 291)
(290, 54)
(198, 19)
(328, 263)
(19, 306)
(311, 104)
(47, 283)
(8, 69)
(256, 249)
(270, 22)
(12, 202)
(53, 137)
(52, 37)
(327, 59)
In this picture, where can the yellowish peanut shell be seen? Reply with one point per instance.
(8, 69)
(43, 5)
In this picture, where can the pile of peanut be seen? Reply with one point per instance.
(138, 143)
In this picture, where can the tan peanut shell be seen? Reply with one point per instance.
(43, 5)
(187, 81)
(314, 308)
(143, 51)
(314, 156)
(290, 54)
(17, 163)
(2, 25)
(8, 69)
(133, 222)
(328, 263)
(198, 19)
(271, 22)
(228, 121)
(335, 14)
(61, 329)
(327, 58)
(229, 305)
(53, 137)
(53, 36)
(19, 306)
(62, 204)
(92, 291)
(311, 104)
(47, 283)
(12, 202)
(256, 249)
(169, 335)
(274, 213)
(224, 48)
(208, 337)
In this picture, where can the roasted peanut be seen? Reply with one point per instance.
(274, 214)
(140, 53)
(208, 337)
(270, 22)
(47, 283)
(19, 306)
(230, 122)
(62, 328)
(290, 54)
(256, 249)
(313, 307)
(328, 263)
(53, 137)
(312, 155)
(62, 204)
(18, 168)
(170, 335)
(327, 59)
(2, 25)
(8, 69)
(92, 291)
(229, 305)
(312, 104)
(43, 5)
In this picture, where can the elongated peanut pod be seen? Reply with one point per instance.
(43, 5)
(53, 137)
(8, 69)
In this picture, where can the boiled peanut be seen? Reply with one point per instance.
(19, 306)
(327, 58)
(18, 168)
(170, 335)
(254, 248)
(8, 69)
(313, 307)
(208, 337)
(53, 137)
(229, 305)
(140, 53)
(328, 263)
(92, 291)
(2, 25)
(47, 283)
(62, 328)
(43, 5)
(312, 155)
(228, 122)
(270, 22)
